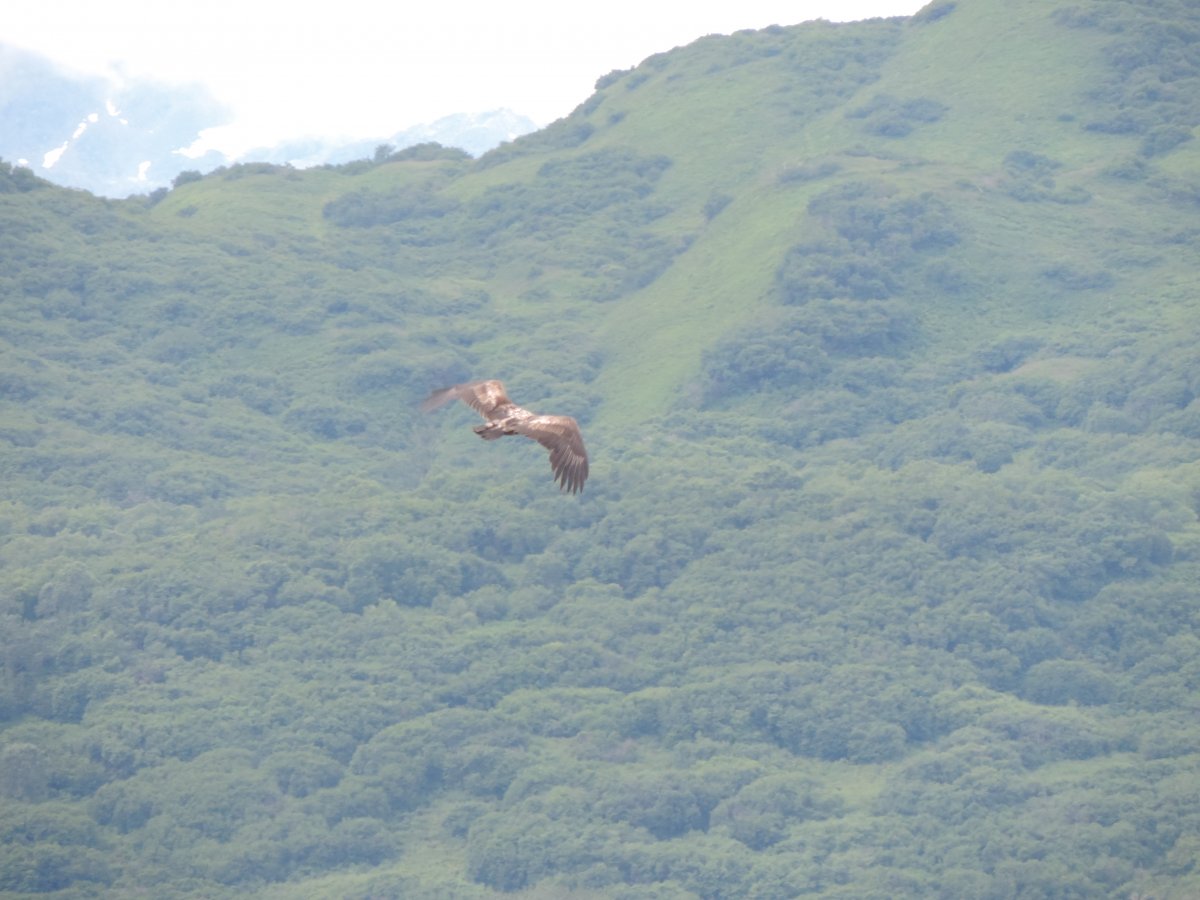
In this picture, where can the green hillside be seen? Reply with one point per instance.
(885, 341)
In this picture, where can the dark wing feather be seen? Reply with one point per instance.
(485, 397)
(561, 436)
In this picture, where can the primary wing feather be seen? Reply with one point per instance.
(561, 436)
(439, 398)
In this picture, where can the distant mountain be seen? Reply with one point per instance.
(84, 131)
(475, 133)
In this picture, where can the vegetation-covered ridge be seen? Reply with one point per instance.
(884, 340)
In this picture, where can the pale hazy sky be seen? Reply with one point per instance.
(368, 69)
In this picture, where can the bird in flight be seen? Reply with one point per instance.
(558, 434)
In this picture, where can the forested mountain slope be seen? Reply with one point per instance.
(884, 341)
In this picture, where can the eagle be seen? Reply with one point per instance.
(558, 434)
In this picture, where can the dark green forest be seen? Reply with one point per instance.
(885, 342)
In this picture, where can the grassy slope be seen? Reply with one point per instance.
(984, 62)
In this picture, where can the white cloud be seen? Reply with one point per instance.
(227, 139)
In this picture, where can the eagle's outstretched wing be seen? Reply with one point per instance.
(561, 436)
(558, 434)
(485, 397)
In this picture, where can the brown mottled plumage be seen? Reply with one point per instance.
(558, 434)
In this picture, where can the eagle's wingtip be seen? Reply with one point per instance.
(437, 398)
